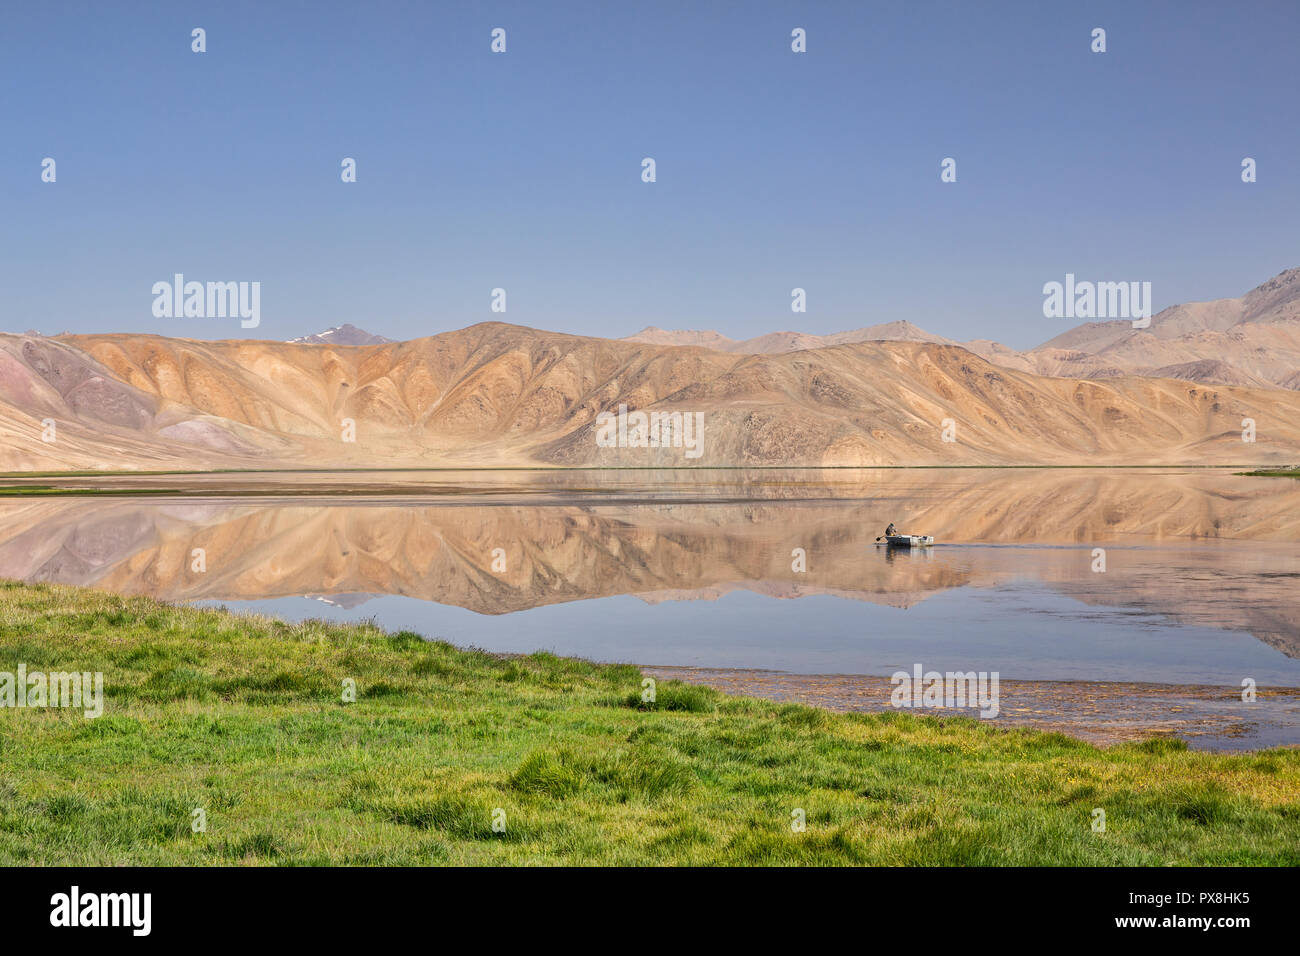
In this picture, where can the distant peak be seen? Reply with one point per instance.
(345, 334)
(1283, 280)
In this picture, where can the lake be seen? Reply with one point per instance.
(1113, 603)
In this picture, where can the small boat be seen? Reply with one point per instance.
(909, 540)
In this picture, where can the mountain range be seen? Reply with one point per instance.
(1182, 391)
(1250, 340)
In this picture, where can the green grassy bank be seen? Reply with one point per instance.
(1273, 473)
(244, 718)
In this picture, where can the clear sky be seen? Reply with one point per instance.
(522, 170)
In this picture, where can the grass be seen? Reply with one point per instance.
(46, 491)
(74, 491)
(243, 717)
(1287, 472)
(110, 473)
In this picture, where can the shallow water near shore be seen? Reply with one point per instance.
(1113, 604)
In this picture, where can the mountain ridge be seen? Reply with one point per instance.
(345, 334)
(501, 394)
(1252, 339)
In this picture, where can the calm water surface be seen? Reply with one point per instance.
(696, 573)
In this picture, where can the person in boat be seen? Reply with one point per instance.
(891, 530)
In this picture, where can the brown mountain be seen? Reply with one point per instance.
(1248, 340)
(345, 334)
(1251, 340)
(776, 342)
(505, 394)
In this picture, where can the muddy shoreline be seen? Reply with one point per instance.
(1100, 712)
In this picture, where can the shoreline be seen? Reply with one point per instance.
(1104, 713)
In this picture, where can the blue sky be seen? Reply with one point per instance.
(523, 170)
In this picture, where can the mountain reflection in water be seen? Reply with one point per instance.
(1199, 586)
